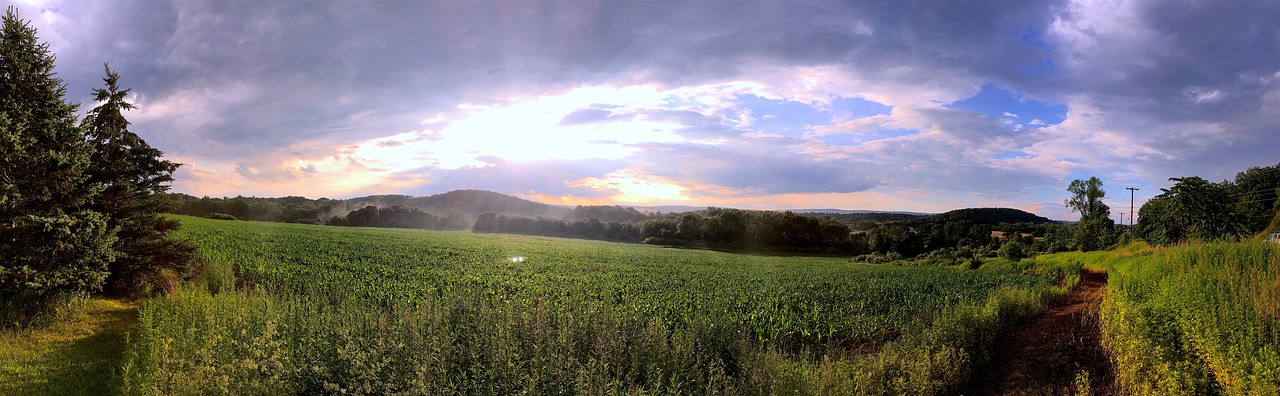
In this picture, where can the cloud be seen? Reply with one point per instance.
(744, 102)
(585, 116)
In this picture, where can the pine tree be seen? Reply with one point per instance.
(53, 248)
(133, 175)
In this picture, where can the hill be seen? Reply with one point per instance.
(989, 216)
(470, 202)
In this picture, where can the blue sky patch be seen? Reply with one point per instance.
(1013, 154)
(783, 117)
(788, 118)
(996, 102)
(861, 138)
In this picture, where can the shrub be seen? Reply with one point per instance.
(220, 216)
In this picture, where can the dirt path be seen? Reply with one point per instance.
(76, 357)
(1058, 352)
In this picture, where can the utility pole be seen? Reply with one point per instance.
(1131, 190)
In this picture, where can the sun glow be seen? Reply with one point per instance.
(635, 186)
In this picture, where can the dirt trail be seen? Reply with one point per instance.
(1058, 352)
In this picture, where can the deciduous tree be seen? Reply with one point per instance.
(1095, 229)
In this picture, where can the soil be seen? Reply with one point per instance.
(1058, 352)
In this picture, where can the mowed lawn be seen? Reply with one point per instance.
(78, 356)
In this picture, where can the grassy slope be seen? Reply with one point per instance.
(1201, 318)
(80, 356)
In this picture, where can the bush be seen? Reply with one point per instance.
(218, 276)
(220, 216)
(1012, 250)
(663, 241)
(877, 258)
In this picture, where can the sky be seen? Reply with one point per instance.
(922, 106)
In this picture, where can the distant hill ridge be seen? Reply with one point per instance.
(470, 202)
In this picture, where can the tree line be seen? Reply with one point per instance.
(451, 205)
(79, 203)
(1197, 209)
(287, 209)
(398, 216)
(948, 237)
(712, 227)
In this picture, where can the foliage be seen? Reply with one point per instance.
(286, 209)
(1012, 249)
(1158, 223)
(132, 173)
(453, 205)
(1095, 229)
(1257, 198)
(988, 216)
(397, 216)
(391, 311)
(1086, 198)
(54, 246)
(1192, 209)
(863, 220)
(1196, 209)
(1196, 319)
(754, 230)
(220, 216)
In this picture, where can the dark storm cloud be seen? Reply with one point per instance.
(308, 69)
(1195, 81)
(1194, 84)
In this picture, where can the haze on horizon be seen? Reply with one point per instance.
(900, 106)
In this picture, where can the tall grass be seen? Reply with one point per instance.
(1195, 319)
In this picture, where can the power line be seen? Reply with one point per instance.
(1259, 200)
(1271, 189)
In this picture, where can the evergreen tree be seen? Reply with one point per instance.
(53, 248)
(133, 177)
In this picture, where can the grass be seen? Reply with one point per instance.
(77, 356)
(1200, 318)
(305, 309)
(364, 311)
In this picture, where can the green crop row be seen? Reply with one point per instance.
(348, 310)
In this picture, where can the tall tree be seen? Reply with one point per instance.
(133, 175)
(53, 247)
(1193, 208)
(1257, 197)
(1158, 224)
(1086, 198)
(1095, 229)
